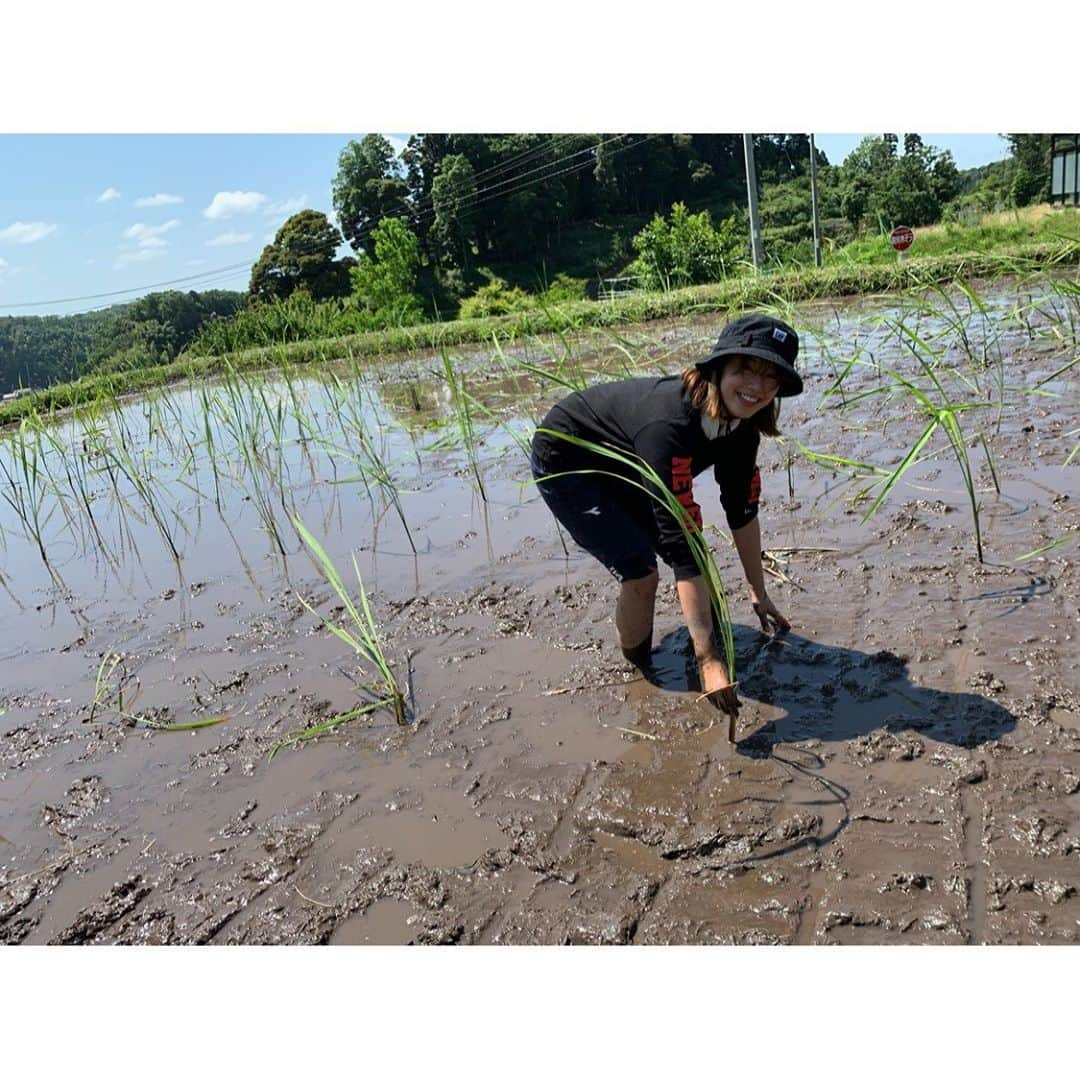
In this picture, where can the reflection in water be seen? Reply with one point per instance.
(123, 482)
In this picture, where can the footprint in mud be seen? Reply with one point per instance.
(833, 694)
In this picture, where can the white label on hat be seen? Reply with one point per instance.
(780, 335)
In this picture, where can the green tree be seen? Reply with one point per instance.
(904, 196)
(636, 173)
(786, 212)
(384, 283)
(368, 187)
(495, 298)
(686, 250)
(157, 327)
(863, 172)
(302, 255)
(1031, 168)
(453, 198)
(944, 177)
(37, 350)
(778, 158)
(910, 189)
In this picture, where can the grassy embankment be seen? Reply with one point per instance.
(994, 233)
(1002, 244)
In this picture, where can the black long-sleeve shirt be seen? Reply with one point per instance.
(653, 419)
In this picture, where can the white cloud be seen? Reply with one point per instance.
(26, 232)
(397, 142)
(149, 236)
(3, 266)
(228, 238)
(108, 195)
(158, 200)
(227, 204)
(287, 207)
(195, 262)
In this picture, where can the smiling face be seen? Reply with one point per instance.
(747, 385)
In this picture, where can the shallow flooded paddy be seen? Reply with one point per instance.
(907, 766)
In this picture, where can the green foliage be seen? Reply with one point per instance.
(533, 189)
(686, 250)
(368, 187)
(564, 289)
(985, 190)
(954, 239)
(1031, 174)
(301, 256)
(781, 158)
(786, 214)
(278, 322)
(453, 192)
(327, 337)
(41, 350)
(156, 328)
(1027, 185)
(884, 189)
(36, 350)
(384, 284)
(495, 298)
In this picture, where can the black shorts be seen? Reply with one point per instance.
(606, 516)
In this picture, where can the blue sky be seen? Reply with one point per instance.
(84, 215)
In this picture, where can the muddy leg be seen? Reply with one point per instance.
(634, 618)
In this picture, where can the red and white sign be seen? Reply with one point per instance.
(901, 237)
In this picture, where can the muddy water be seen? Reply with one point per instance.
(907, 767)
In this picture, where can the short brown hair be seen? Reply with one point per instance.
(703, 390)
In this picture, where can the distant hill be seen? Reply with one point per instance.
(37, 350)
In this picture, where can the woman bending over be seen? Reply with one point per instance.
(711, 416)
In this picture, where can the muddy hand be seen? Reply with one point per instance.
(727, 701)
(766, 610)
(720, 692)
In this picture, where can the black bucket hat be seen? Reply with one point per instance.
(766, 338)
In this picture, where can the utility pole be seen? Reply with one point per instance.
(751, 197)
(813, 201)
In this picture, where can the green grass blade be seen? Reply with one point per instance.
(1048, 547)
(909, 460)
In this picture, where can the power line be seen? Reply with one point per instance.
(522, 156)
(424, 208)
(124, 292)
(216, 279)
(561, 172)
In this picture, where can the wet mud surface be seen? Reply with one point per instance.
(907, 767)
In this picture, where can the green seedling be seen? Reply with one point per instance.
(360, 632)
(461, 402)
(119, 697)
